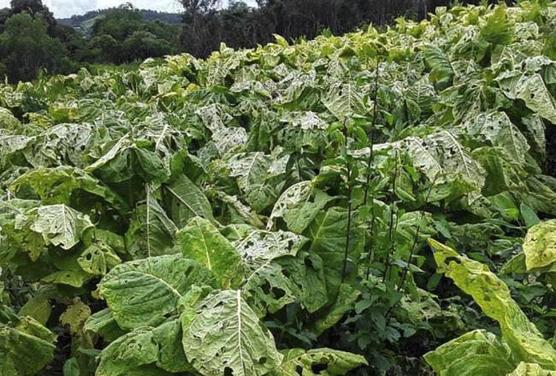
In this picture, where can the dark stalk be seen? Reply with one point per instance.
(372, 136)
(370, 249)
(350, 204)
(391, 225)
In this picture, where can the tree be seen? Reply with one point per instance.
(26, 48)
(35, 8)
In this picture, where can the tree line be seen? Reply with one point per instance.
(32, 40)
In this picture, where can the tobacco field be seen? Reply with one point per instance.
(379, 203)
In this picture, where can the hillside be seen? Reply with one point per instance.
(85, 22)
(377, 203)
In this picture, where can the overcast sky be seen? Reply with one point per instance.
(66, 8)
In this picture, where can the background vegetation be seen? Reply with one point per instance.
(32, 40)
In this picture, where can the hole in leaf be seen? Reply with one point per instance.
(266, 288)
(228, 371)
(318, 368)
(278, 293)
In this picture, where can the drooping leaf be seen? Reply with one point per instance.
(183, 200)
(25, 347)
(475, 353)
(494, 298)
(325, 362)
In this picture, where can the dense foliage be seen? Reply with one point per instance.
(369, 204)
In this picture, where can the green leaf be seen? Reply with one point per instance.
(201, 241)
(183, 201)
(267, 285)
(225, 337)
(329, 316)
(346, 100)
(328, 240)
(144, 292)
(539, 245)
(531, 369)
(528, 215)
(146, 346)
(150, 232)
(475, 353)
(439, 63)
(494, 298)
(128, 352)
(60, 225)
(26, 347)
(103, 324)
(328, 362)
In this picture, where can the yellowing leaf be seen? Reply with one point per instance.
(540, 245)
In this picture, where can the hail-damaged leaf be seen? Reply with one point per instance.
(75, 316)
(324, 362)
(497, 129)
(56, 185)
(494, 298)
(268, 284)
(475, 353)
(531, 369)
(225, 337)
(26, 347)
(60, 225)
(540, 245)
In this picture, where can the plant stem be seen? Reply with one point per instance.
(350, 204)
(391, 225)
(369, 242)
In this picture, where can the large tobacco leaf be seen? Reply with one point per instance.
(200, 240)
(145, 292)
(25, 345)
(329, 241)
(224, 336)
(493, 296)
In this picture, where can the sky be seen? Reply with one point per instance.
(67, 8)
